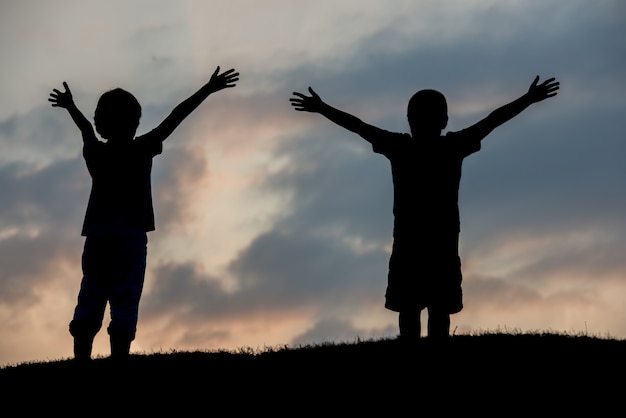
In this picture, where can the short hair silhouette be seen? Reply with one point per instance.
(427, 110)
(117, 114)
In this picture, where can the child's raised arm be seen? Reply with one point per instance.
(65, 100)
(536, 93)
(315, 104)
(216, 83)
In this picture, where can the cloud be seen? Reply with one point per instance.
(32, 263)
(339, 331)
(274, 226)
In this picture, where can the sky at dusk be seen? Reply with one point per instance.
(273, 227)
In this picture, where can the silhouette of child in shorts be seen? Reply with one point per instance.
(424, 266)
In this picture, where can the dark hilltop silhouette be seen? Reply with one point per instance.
(493, 374)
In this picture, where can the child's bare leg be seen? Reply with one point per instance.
(410, 324)
(438, 323)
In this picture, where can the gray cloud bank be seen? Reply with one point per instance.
(553, 178)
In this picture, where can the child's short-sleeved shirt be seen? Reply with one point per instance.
(426, 177)
(121, 182)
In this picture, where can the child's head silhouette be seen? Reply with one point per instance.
(427, 112)
(117, 115)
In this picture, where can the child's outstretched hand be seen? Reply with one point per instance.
(304, 103)
(223, 81)
(61, 99)
(539, 92)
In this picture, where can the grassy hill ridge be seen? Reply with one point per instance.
(531, 372)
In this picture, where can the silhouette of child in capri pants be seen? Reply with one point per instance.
(119, 212)
(424, 266)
